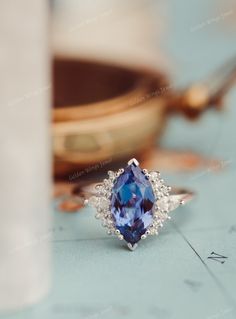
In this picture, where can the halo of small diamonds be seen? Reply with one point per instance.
(101, 201)
(163, 204)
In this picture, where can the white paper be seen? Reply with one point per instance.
(24, 153)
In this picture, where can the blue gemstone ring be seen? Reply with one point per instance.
(133, 203)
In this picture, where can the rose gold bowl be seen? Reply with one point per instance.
(104, 112)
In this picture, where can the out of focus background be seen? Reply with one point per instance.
(84, 87)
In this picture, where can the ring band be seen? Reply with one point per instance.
(133, 203)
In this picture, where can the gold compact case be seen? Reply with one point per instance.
(105, 112)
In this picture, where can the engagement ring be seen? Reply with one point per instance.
(133, 203)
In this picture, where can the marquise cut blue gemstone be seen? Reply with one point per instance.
(132, 203)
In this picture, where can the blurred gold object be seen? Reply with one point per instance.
(104, 112)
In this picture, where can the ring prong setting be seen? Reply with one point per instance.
(133, 161)
(132, 247)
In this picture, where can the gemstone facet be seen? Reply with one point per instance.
(132, 204)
